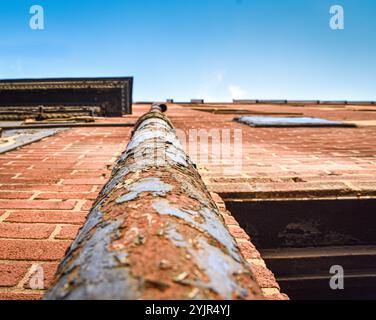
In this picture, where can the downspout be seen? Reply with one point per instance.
(154, 232)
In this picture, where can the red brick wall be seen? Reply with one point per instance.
(46, 190)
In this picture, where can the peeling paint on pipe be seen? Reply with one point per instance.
(154, 231)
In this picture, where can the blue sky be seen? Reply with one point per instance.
(212, 49)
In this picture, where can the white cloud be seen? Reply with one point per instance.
(211, 85)
(237, 93)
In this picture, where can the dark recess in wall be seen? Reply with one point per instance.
(301, 240)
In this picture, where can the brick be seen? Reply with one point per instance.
(368, 187)
(4, 177)
(248, 250)
(238, 233)
(37, 204)
(230, 220)
(264, 277)
(12, 273)
(20, 296)
(34, 175)
(68, 233)
(94, 181)
(223, 188)
(15, 195)
(93, 166)
(67, 195)
(46, 188)
(277, 297)
(87, 205)
(25, 231)
(217, 199)
(33, 250)
(47, 217)
(23, 181)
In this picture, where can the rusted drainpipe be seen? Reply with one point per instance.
(154, 232)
